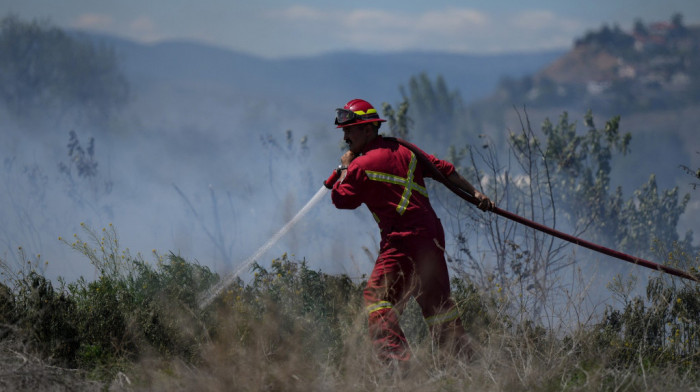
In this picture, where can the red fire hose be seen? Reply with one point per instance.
(332, 179)
(579, 241)
(537, 226)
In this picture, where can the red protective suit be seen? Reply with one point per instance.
(388, 178)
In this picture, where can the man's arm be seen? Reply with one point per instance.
(485, 204)
(345, 162)
(347, 194)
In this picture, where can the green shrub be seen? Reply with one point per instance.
(44, 315)
(292, 323)
(7, 309)
(132, 308)
(661, 330)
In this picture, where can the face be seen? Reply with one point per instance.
(357, 136)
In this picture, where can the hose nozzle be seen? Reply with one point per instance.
(333, 178)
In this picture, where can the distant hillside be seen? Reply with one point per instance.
(649, 76)
(654, 67)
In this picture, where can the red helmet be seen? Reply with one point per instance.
(355, 112)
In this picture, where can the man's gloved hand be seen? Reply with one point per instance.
(347, 158)
(485, 204)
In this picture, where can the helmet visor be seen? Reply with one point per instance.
(344, 116)
(347, 117)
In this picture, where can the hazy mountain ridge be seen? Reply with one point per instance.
(318, 78)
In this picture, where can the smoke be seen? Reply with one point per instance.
(202, 170)
(196, 171)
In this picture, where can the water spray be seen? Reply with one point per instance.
(215, 291)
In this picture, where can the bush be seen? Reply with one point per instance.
(661, 331)
(132, 308)
(292, 328)
(47, 317)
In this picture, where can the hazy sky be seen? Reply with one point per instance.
(281, 28)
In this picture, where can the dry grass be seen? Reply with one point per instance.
(294, 329)
(23, 370)
(270, 355)
(271, 358)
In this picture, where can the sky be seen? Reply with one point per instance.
(287, 28)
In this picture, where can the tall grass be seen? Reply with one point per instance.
(137, 326)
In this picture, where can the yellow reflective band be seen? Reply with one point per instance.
(369, 111)
(379, 306)
(406, 196)
(407, 183)
(443, 318)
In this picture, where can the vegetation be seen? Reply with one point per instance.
(293, 328)
(46, 71)
(578, 174)
(138, 325)
(436, 115)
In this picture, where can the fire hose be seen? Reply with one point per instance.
(519, 219)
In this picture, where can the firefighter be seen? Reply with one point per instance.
(388, 177)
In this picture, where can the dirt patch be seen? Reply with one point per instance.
(582, 65)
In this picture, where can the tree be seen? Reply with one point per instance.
(438, 114)
(44, 70)
(640, 29)
(677, 21)
(399, 121)
(607, 38)
(580, 171)
(560, 179)
(522, 263)
(651, 216)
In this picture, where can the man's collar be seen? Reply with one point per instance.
(372, 144)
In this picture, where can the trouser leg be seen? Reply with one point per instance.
(440, 311)
(412, 266)
(384, 297)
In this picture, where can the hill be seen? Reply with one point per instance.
(649, 76)
(654, 67)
